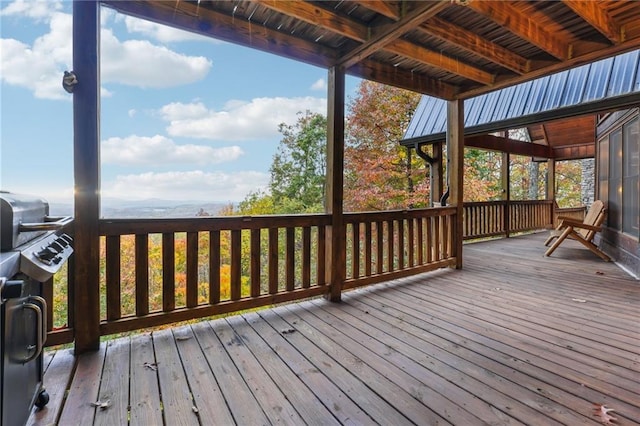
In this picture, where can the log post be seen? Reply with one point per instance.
(336, 244)
(86, 152)
(455, 163)
(506, 188)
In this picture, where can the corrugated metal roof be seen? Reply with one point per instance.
(599, 86)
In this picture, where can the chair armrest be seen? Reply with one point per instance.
(559, 218)
(576, 224)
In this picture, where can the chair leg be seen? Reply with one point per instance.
(561, 238)
(551, 237)
(594, 249)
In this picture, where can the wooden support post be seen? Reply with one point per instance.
(551, 187)
(86, 152)
(506, 187)
(336, 244)
(455, 165)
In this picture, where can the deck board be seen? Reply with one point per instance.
(512, 338)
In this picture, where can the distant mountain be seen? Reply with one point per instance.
(151, 208)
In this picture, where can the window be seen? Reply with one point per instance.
(630, 173)
(615, 179)
(603, 170)
(619, 176)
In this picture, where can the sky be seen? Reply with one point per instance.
(183, 117)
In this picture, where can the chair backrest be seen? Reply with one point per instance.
(595, 217)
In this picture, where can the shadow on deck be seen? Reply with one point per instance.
(513, 338)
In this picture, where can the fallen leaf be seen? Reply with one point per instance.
(599, 273)
(579, 300)
(288, 331)
(600, 410)
(103, 405)
(183, 337)
(151, 366)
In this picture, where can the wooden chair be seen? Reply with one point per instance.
(583, 232)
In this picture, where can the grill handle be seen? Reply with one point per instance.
(50, 224)
(39, 339)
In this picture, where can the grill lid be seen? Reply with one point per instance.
(16, 209)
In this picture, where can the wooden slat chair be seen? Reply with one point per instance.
(583, 232)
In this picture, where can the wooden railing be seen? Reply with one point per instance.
(392, 244)
(498, 218)
(161, 271)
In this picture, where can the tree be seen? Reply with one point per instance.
(379, 173)
(298, 168)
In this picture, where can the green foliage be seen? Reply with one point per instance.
(298, 168)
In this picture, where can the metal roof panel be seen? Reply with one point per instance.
(598, 80)
(571, 90)
(623, 73)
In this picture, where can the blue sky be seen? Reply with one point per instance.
(183, 117)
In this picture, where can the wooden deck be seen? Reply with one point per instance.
(513, 338)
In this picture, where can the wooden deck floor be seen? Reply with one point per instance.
(513, 338)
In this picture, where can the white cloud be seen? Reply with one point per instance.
(157, 150)
(39, 67)
(37, 10)
(319, 85)
(192, 185)
(132, 113)
(238, 120)
(142, 64)
(162, 33)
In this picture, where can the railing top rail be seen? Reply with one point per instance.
(219, 223)
(398, 214)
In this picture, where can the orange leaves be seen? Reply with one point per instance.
(601, 411)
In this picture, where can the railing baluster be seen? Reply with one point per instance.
(306, 257)
(420, 242)
(429, 239)
(168, 272)
(192, 269)
(273, 260)
(367, 248)
(355, 253)
(401, 248)
(112, 274)
(390, 242)
(236, 266)
(445, 237)
(321, 262)
(411, 241)
(379, 247)
(214, 267)
(255, 262)
(142, 274)
(290, 259)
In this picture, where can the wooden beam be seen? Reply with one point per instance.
(86, 165)
(398, 77)
(336, 233)
(210, 23)
(575, 152)
(383, 35)
(382, 7)
(455, 170)
(475, 44)
(507, 15)
(436, 59)
(597, 17)
(497, 143)
(318, 16)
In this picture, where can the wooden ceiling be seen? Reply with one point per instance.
(449, 49)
